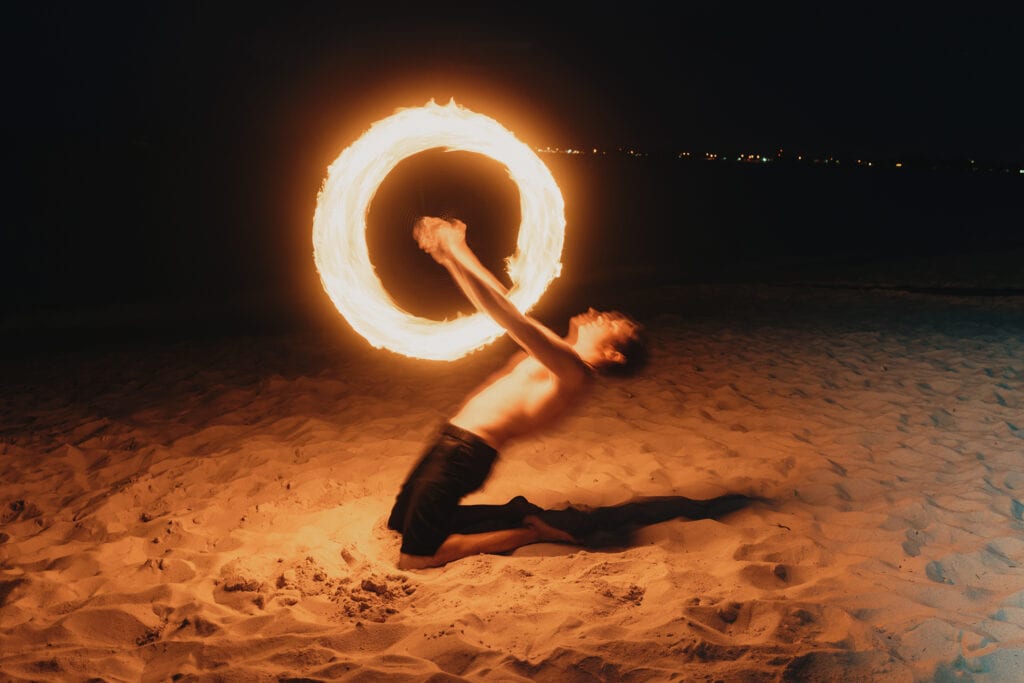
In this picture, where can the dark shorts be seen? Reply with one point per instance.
(427, 508)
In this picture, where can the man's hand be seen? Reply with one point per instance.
(446, 242)
(439, 237)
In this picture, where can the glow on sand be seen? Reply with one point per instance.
(339, 228)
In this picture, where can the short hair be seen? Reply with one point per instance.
(634, 348)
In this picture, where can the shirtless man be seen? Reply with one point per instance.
(533, 388)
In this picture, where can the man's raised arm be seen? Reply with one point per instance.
(445, 241)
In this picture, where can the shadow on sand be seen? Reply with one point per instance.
(616, 525)
(599, 527)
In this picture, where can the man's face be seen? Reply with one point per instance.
(600, 327)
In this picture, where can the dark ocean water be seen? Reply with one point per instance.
(725, 221)
(100, 249)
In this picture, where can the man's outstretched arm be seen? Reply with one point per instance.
(445, 241)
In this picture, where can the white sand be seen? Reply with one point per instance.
(215, 510)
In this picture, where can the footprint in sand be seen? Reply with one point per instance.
(974, 569)
(768, 576)
(780, 549)
(943, 419)
(787, 623)
(914, 541)
(19, 509)
(733, 618)
(777, 563)
(878, 667)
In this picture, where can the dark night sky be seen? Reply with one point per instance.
(142, 130)
(874, 81)
(865, 81)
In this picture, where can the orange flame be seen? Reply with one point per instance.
(339, 228)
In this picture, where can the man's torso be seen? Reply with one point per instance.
(516, 400)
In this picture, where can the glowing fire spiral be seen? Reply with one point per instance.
(339, 228)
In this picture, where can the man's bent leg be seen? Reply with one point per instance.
(457, 464)
(458, 546)
(478, 519)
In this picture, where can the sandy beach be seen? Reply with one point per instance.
(214, 509)
(814, 211)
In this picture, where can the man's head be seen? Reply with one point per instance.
(609, 341)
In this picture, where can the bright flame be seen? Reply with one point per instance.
(339, 228)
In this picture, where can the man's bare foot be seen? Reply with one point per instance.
(547, 533)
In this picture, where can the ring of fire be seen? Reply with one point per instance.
(339, 228)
